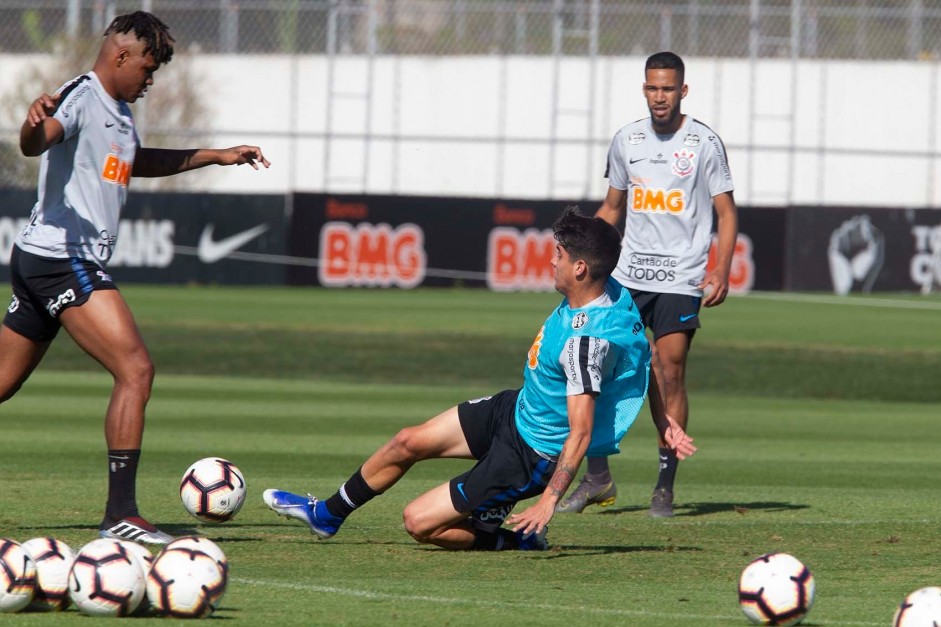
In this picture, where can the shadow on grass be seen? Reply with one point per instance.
(705, 509)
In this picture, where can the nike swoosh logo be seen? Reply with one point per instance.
(633, 161)
(689, 317)
(107, 125)
(211, 251)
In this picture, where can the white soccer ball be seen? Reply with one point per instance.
(17, 576)
(53, 559)
(213, 490)
(106, 579)
(185, 583)
(207, 546)
(776, 589)
(922, 608)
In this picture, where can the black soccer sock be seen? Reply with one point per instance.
(668, 463)
(598, 466)
(122, 483)
(499, 540)
(352, 494)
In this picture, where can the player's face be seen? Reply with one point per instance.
(664, 90)
(135, 72)
(563, 269)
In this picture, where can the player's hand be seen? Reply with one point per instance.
(534, 518)
(677, 439)
(715, 287)
(42, 108)
(238, 155)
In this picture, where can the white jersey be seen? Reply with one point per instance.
(670, 181)
(83, 179)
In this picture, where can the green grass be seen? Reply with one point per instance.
(817, 424)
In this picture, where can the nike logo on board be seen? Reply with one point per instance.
(211, 251)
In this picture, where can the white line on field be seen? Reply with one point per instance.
(856, 301)
(386, 596)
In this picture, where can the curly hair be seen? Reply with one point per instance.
(148, 28)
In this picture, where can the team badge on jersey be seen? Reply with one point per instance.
(14, 304)
(636, 138)
(692, 139)
(683, 165)
(580, 320)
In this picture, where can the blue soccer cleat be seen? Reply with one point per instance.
(532, 541)
(307, 509)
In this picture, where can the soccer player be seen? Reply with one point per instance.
(90, 150)
(584, 382)
(670, 170)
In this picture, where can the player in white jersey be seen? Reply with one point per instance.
(90, 150)
(666, 173)
(584, 383)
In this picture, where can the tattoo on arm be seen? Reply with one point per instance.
(562, 479)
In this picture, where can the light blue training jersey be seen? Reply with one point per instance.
(601, 349)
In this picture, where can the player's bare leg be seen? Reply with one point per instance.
(432, 519)
(672, 350)
(19, 356)
(439, 437)
(105, 329)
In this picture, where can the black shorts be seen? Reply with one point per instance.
(43, 287)
(667, 313)
(507, 470)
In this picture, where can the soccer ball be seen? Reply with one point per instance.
(776, 589)
(185, 583)
(207, 546)
(17, 576)
(213, 490)
(922, 608)
(53, 559)
(144, 559)
(106, 579)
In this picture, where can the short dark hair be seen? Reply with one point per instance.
(666, 61)
(148, 28)
(592, 240)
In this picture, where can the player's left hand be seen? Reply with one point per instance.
(534, 518)
(237, 155)
(715, 287)
(677, 439)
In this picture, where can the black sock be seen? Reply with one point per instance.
(122, 484)
(352, 494)
(499, 540)
(598, 466)
(668, 463)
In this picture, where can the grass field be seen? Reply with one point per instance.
(817, 420)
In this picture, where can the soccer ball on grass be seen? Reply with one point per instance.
(17, 576)
(185, 583)
(922, 608)
(106, 579)
(776, 589)
(53, 559)
(213, 490)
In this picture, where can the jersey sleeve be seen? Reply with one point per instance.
(615, 172)
(716, 167)
(75, 96)
(586, 361)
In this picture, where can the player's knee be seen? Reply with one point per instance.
(9, 391)
(138, 373)
(406, 445)
(412, 520)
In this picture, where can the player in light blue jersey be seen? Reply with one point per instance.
(584, 382)
(89, 147)
(666, 174)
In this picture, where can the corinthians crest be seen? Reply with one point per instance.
(683, 165)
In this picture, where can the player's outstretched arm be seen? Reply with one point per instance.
(581, 411)
(40, 130)
(153, 162)
(715, 285)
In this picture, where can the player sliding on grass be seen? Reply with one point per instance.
(90, 150)
(584, 382)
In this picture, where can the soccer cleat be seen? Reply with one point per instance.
(585, 494)
(661, 504)
(135, 529)
(307, 509)
(532, 541)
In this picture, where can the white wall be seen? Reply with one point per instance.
(437, 124)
